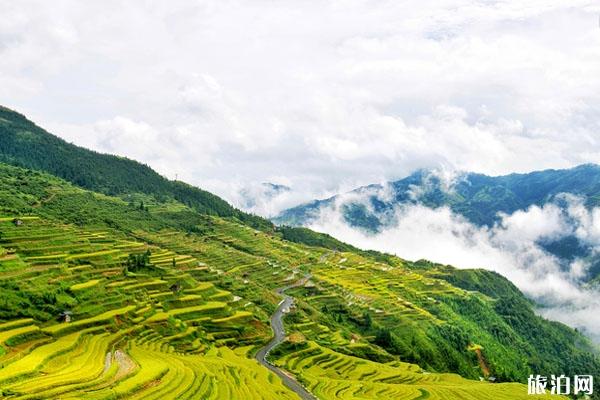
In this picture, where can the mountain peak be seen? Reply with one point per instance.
(477, 197)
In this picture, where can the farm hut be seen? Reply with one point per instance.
(66, 316)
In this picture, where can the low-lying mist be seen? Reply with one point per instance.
(511, 247)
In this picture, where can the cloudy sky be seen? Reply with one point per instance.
(319, 96)
(510, 247)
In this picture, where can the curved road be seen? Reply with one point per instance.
(279, 336)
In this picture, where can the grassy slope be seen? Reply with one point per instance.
(24, 144)
(356, 312)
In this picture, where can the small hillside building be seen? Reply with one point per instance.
(66, 316)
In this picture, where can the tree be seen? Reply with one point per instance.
(384, 338)
(368, 320)
(135, 262)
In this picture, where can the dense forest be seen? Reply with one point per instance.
(24, 144)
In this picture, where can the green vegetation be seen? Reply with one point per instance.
(351, 377)
(312, 238)
(158, 300)
(25, 144)
(104, 299)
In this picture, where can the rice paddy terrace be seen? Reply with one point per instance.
(129, 334)
(170, 331)
(140, 308)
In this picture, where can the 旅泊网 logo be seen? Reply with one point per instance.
(579, 384)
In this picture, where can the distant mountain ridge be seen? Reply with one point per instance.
(480, 199)
(477, 197)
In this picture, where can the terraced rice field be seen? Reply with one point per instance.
(186, 326)
(88, 369)
(131, 335)
(331, 375)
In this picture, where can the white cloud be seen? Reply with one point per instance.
(535, 223)
(510, 248)
(328, 95)
(587, 227)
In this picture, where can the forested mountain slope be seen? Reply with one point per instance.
(24, 144)
(165, 301)
(477, 197)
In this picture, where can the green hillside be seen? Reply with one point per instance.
(24, 144)
(168, 302)
(118, 283)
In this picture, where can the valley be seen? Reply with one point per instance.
(161, 290)
(168, 313)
